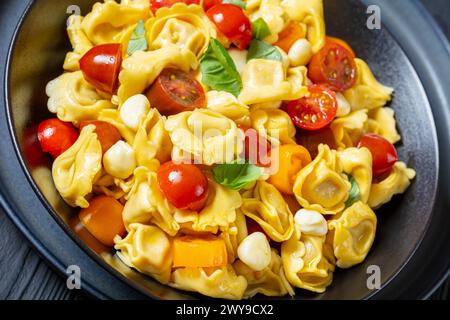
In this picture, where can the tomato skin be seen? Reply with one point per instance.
(101, 66)
(103, 219)
(233, 23)
(260, 156)
(208, 4)
(155, 5)
(384, 155)
(289, 35)
(184, 185)
(56, 136)
(312, 139)
(33, 153)
(176, 91)
(334, 65)
(315, 111)
(107, 134)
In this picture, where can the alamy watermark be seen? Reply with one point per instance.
(73, 277)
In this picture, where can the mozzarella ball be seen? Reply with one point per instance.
(255, 251)
(311, 222)
(120, 160)
(300, 53)
(133, 110)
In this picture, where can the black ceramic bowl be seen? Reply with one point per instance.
(412, 243)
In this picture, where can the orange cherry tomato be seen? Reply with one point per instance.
(83, 233)
(199, 252)
(314, 111)
(342, 43)
(232, 22)
(101, 66)
(157, 4)
(291, 159)
(107, 134)
(290, 34)
(103, 219)
(176, 91)
(312, 139)
(184, 185)
(384, 155)
(56, 136)
(334, 65)
(257, 149)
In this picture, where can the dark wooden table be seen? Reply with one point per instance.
(25, 275)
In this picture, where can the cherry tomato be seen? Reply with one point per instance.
(158, 4)
(233, 23)
(257, 149)
(176, 91)
(107, 134)
(384, 155)
(253, 226)
(334, 65)
(342, 43)
(184, 185)
(315, 111)
(101, 66)
(33, 153)
(103, 219)
(83, 233)
(208, 4)
(289, 35)
(56, 136)
(312, 139)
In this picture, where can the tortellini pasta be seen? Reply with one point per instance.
(227, 104)
(353, 234)
(75, 100)
(273, 14)
(349, 129)
(75, 171)
(322, 184)
(80, 43)
(274, 123)
(381, 121)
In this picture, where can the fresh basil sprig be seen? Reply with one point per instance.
(138, 41)
(260, 29)
(238, 3)
(354, 193)
(236, 175)
(219, 71)
(262, 50)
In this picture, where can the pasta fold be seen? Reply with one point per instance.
(80, 43)
(273, 14)
(275, 124)
(227, 104)
(381, 121)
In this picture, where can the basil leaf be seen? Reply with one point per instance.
(219, 71)
(236, 175)
(138, 41)
(262, 50)
(238, 3)
(354, 193)
(260, 29)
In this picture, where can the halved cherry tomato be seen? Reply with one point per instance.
(184, 185)
(289, 35)
(101, 66)
(257, 149)
(312, 139)
(334, 65)
(315, 111)
(384, 155)
(56, 136)
(103, 219)
(157, 4)
(233, 23)
(208, 4)
(342, 43)
(107, 134)
(291, 159)
(199, 252)
(176, 91)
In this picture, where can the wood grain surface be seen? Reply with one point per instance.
(25, 275)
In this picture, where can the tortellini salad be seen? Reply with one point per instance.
(230, 149)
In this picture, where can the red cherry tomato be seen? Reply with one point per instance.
(107, 134)
(176, 91)
(158, 4)
(33, 153)
(208, 4)
(233, 23)
(253, 226)
(334, 65)
(257, 149)
(312, 139)
(56, 136)
(184, 185)
(384, 155)
(101, 66)
(315, 111)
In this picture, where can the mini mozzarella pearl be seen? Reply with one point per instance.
(311, 222)
(240, 59)
(133, 110)
(120, 160)
(344, 107)
(255, 251)
(300, 53)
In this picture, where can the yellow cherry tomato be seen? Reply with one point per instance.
(199, 252)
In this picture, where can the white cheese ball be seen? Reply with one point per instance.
(311, 222)
(133, 109)
(255, 251)
(120, 160)
(300, 53)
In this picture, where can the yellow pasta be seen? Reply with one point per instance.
(381, 121)
(273, 14)
(80, 43)
(349, 129)
(227, 104)
(275, 124)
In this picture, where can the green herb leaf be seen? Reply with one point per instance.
(219, 71)
(354, 193)
(236, 175)
(260, 29)
(138, 41)
(262, 50)
(238, 3)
